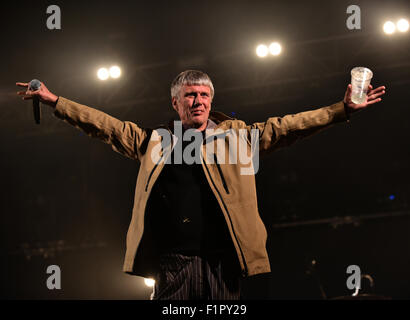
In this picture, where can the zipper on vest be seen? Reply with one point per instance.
(221, 174)
(245, 271)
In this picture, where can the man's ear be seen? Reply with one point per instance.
(174, 103)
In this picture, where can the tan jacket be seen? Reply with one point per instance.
(235, 192)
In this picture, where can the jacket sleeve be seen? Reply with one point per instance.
(124, 137)
(278, 132)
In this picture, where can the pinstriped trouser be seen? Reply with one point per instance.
(193, 277)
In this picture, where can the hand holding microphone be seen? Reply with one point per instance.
(37, 92)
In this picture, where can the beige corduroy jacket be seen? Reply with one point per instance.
(234, 191)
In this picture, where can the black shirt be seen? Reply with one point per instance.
(183, 212)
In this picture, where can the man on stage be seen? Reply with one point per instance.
(195, 226)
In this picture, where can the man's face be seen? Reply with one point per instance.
(193, 106)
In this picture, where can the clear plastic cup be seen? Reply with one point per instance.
(361, 78)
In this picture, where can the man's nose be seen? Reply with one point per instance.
(197, 100)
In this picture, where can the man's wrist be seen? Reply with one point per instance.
(53, 101)
(347, 112)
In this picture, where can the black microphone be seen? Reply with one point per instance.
(34, 86)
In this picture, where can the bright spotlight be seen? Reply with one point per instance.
(115, 72)
(103, 74)
(275, 48)
(402, 25)
(149, 282)
(389, 27)
(262, 51)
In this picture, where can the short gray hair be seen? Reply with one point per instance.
(191, 78)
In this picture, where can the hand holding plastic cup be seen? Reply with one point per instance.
(361, 78)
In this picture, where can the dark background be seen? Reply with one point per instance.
(339, 198)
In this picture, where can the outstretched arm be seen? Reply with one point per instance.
(278, 132)
(124, 137)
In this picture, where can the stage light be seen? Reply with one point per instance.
(402, 25)
(262, 51)
(103, 74)
(275, 48)
(392, 197)
(149, 282)
(115, 72)
(389, 27)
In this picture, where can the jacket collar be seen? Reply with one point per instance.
(219, 117)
